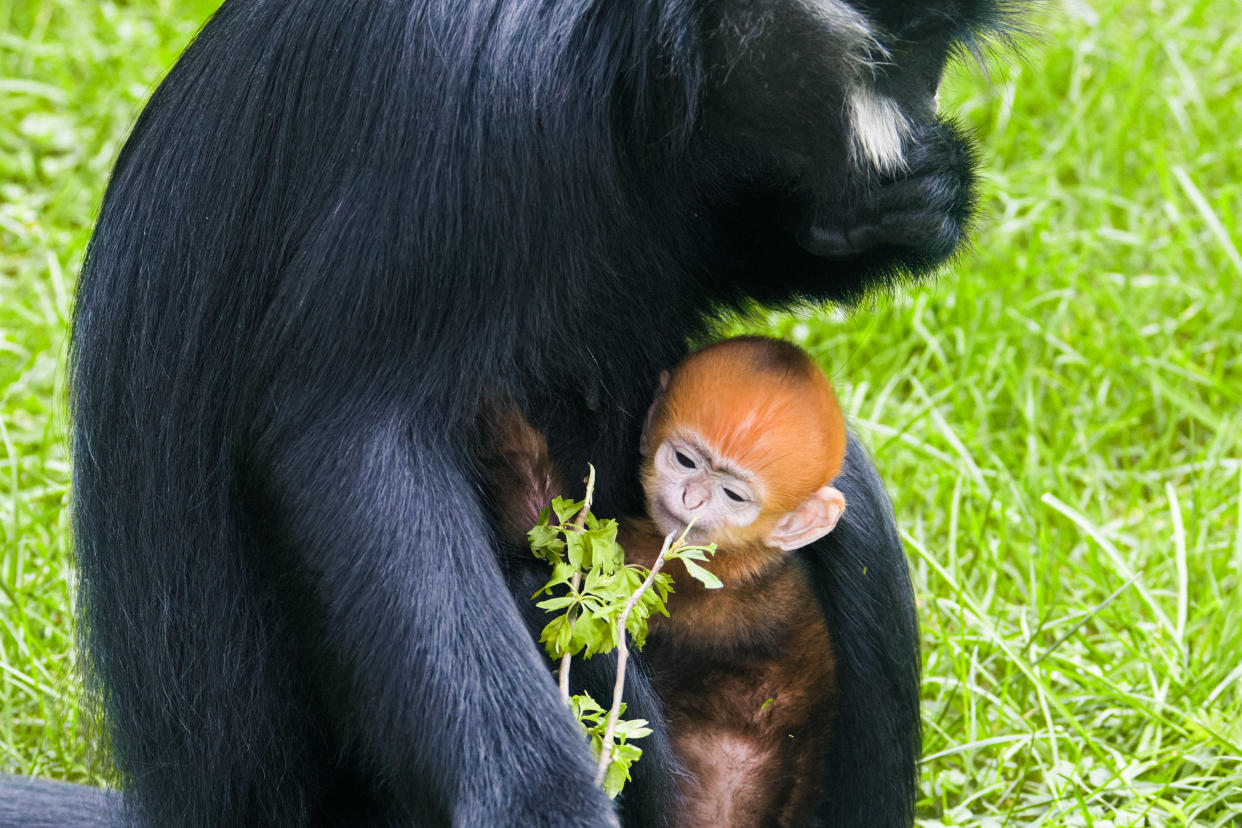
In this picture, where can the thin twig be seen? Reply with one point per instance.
(576, 580)
(623, 654)
(563, 678)
(580, 520)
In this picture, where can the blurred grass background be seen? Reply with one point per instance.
(1057, 416)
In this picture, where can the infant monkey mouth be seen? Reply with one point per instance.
(666, 518)
(670, 520)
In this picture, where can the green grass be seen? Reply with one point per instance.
(1057, 417)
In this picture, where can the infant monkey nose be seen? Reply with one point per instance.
(693, 497)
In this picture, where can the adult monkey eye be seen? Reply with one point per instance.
(734, 496)
(684, 460)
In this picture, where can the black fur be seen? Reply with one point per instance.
(860, 574)
(39, 803)
(336, 226)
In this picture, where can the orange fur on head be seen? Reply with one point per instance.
(764, 405)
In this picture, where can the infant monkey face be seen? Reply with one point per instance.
(692, 482)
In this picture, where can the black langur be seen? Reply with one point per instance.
(336, 226)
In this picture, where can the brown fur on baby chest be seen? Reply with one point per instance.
(756, 655)
(747, 677)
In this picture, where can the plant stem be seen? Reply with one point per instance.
(576, 581)
(623, 654)
(563, 678)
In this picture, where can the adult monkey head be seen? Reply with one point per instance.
(826, 112)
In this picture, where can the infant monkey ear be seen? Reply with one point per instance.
(814, 518)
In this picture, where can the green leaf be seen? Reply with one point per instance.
(632, 729)
(662, 585)
(561, 574)
(627, 753)
(554, 604)
(564, 638)
(701, 575)
(586, 709)
(596, 582)
(695, 553)
(637, 628)
(567, 510)
(616, 777)
(593, 635)
(595, 605)
(633, 577)
(586, 702)
(575, 548)
(555, 636)
(601, 539)
(651, 600)
(542, 535)
(545, 543)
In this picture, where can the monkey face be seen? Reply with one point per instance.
(690, 483)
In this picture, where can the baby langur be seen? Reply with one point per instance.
(744, 437)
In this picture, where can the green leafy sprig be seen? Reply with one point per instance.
(599, 602)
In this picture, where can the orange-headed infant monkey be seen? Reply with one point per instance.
(745, 437)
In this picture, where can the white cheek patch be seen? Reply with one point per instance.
(878, 129)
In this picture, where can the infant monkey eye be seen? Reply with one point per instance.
(734, 496)
(684, 460)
